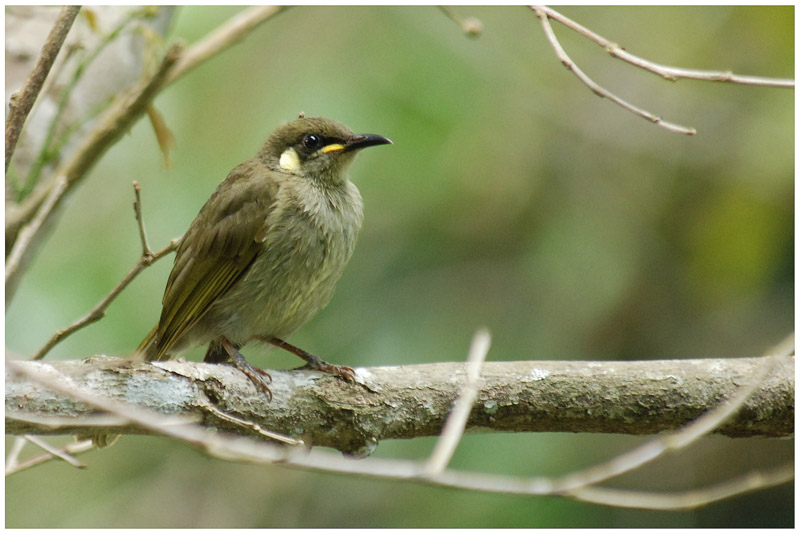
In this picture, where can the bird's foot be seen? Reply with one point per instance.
(312, 361)
(339, 370)
(260, 378)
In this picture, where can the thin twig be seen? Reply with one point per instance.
(21, 103)
(111, 128)
(454, 426)
(98, 312)
(690, 499)
(575, 482)
(56, 452)
(49, 145)
(119, 118)
(12, 459)
(71, 449)
(471, 26)
(281, 438)
(137, 210)
(596, 88)
(225, 36)
(665, 71)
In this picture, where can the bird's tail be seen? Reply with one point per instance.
(148, 348)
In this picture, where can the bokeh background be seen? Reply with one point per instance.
(512, 198)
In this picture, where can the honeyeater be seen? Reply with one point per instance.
(265, 252)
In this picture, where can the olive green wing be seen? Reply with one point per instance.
(217, 250)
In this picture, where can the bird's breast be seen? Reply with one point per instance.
(310, 236)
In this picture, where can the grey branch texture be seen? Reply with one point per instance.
(640, 397)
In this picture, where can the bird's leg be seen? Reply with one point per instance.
(217, 350)
(216, 353)
(314, 362)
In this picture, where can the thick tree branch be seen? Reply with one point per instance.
(643, 397)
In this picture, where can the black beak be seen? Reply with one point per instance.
(359, 141)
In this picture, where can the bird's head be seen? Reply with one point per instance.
(316, 147)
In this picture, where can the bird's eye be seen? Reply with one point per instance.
(312, 142)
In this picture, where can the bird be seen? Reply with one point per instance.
(265, 252)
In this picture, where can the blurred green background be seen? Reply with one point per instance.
(512, 198)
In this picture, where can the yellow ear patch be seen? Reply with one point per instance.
(333, 147)
(290, 161)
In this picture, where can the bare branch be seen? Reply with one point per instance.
(14, 466)
(12, 459)
(225, 36)
(644, 397)
(224, 446)
(21, 103)
(118, 120)
(55, 452)
(596, 88)
(99, 311)
(576, 482)
(665, 71)
(137, 210)
(110, 128)
(690, 499)
(457, 420)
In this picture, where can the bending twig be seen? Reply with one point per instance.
(68, 451)
(103, 136)
(690, 499)
(99, 311)
(576, 482)
(228, 34)
(665, 71)
(597, 89)
(119, 119)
